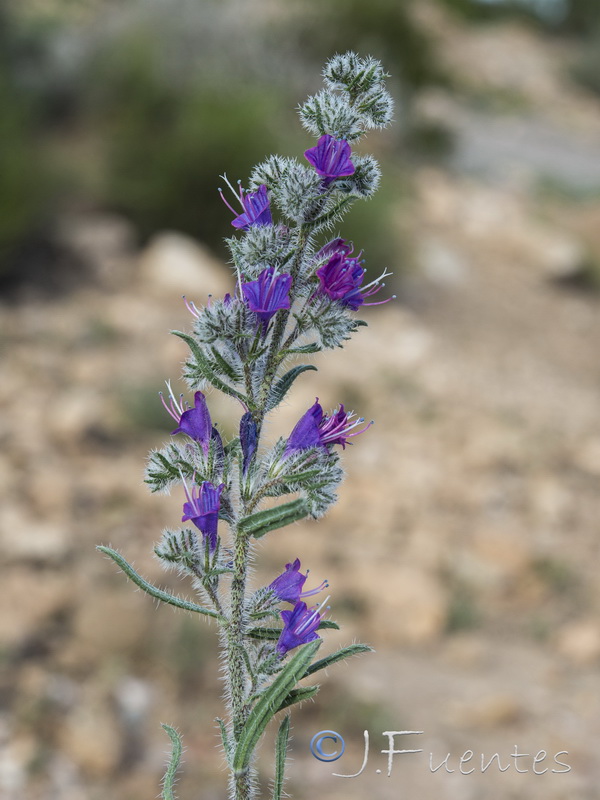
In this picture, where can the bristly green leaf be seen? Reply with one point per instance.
(339, 655)
(205, 367)
(176, 750)
(272, 518)
(269, 703)
(154, 591)
(280, 754)
(284, 384)
(299, 696)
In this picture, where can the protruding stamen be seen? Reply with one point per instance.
(238, 195)
(312, 616)
(174, 408)
(191, 307)
(316, 590)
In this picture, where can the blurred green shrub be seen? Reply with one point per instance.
(571, 17)
(384, 29)
(581, 17)
(24, 183)
(586, 69)
(166, 142)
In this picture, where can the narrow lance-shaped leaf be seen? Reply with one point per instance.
(284, 384)
(269, 702)
(176, 749)
(299, 695)
(272, 518)
(154, 591)
(280, 754)
(339, 655)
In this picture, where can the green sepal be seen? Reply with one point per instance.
(275, 633)
(272, 518)
(268, 704)
(328, 623)
(228, 369)
(178, 547)
(264, 633)
(280, 754)
(232, 446)
(330, 216)
(299, 695)
(339, 655)
(206, 368)
(284, 384)
(176, 750)
(313, 347)
(225, 739)
(154, 591)
(167, 466)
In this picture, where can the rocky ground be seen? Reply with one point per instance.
(464, 545)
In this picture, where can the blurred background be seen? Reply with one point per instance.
(464, 546)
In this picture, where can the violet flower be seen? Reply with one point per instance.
(331, 158)
(288, 585)
(299, 626)
(315, 429)
(341, 276)
(268, 294)
(256, 207)
(195, 422)
(202, 508)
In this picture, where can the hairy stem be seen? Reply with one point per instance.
(240, 785)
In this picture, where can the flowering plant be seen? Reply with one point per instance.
(294, 296)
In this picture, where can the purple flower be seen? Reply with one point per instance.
(331, 158)
(288, 585)
(268, 294)
(315, 429)
(334, 246)
(256, 208)
(341, 276)
(299, 626)
(202, 508)
(195, 422)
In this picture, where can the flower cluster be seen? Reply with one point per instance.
(295, 294)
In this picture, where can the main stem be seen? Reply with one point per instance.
(242, 786)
